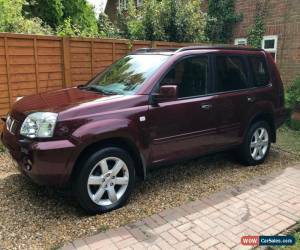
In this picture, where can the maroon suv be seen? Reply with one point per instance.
(151, 107)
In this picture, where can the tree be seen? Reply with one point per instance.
(82, 16)
(221, 20)
(67, 28)
(171, 20)
(105, 27)
(50, 11)
(12, 20)
(257, 30)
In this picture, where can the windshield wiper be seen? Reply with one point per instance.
(98, 89)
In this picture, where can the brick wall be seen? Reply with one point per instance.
(282, 19)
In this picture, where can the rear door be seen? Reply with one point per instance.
(184, 127)
(232, 100)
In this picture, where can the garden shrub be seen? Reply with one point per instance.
(292, 98)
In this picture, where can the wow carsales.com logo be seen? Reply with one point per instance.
(268, 240)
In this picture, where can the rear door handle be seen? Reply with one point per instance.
(251, 99)
(206, 106)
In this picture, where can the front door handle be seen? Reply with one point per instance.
(251, 99)
(206, 106)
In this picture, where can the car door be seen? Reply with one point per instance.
(232, 100)
(184, 127)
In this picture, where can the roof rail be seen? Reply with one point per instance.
(156, 50)
(197, 47)
(221, 46)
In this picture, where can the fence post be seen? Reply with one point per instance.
(36, 65)
(8, 72)
(66, 62)
(113, 51)
(92, 58)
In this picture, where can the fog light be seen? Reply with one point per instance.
(27, 164)
(28, 167)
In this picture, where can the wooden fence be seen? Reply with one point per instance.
(32, 64)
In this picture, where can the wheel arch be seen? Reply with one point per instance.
(120, 142)
(269, 118)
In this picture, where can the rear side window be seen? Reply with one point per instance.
(231, 73)
(259, 71)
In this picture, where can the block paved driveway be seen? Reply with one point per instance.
(263, 206)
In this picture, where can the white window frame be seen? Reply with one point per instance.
(122, 4)
(241, 40)
(139, 3)
(274, 50)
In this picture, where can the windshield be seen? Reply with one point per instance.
(126, 75)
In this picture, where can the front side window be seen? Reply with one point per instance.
(126, 75)
(231, 73)
(259, 69)
(190, 75)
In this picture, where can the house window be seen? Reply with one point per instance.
(122, 4)
(240, 41)
(269, 44)
(139, 3)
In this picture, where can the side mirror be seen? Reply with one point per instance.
(166, 93)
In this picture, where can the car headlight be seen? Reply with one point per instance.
(39, 125)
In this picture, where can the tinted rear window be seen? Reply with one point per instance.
(259, 71)
(231, 73)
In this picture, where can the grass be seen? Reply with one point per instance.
(289, 140)
(296, 234)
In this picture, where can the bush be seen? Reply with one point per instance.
(293, 93)
(165, 20)
(292, 97)
(68, 29)
(12, 20)
(106, 28)
(221, 20)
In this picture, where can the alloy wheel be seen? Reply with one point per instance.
(108, 181)
(259, 143)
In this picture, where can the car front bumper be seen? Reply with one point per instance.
(46, 163)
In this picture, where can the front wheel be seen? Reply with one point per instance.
(256, 146)
(105, 180)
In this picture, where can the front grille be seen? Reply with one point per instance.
(11, 125)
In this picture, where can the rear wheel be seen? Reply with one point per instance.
(256, 146)
(105, 180)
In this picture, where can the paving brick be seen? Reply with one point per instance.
(163, 228)
(80, 245)
(209, 243)
(184, 244)
(162, 244)
(214, 223)
(225, 240)
(178, 235)
(126, 243)
(186, 226)
(282, 225)
(222, 246)
(169, 238)
(193, 236)
(138, 246)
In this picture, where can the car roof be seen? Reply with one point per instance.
(172, 51)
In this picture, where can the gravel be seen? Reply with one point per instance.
(34, 217)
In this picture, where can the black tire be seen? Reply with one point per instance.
(244, 150)
(80, 185)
